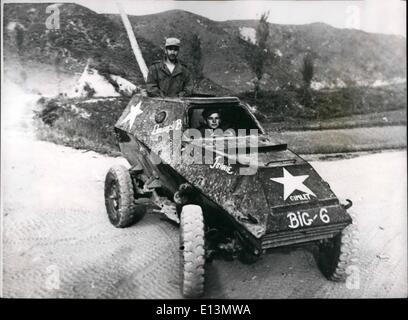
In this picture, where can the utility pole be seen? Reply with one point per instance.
(133, 42)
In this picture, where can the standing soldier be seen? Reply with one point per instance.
(169, 77)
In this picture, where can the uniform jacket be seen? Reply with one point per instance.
(162, 83)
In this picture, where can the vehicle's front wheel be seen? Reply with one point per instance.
(120, 199)
(338, 253)
(192, 252)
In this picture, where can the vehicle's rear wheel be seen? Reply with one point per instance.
(338, 253)
(120, 198)
(192, 252)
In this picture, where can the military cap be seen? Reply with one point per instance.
(172, 42)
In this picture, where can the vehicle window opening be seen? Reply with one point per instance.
(233, 117)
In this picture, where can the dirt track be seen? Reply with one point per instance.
(58, 242)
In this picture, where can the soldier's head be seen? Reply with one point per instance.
(172, 47)
(212, 118)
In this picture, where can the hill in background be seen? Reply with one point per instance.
(83, 34)
(342, 57)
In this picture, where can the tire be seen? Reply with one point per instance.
(192, 252)
(120, 197)
(340, 252)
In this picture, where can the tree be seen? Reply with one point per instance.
(196, 57)
(58, 59)
(19, 39)
(307, 73)
(307, 70)
(260, 54)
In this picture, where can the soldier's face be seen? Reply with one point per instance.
(172, 53)
(214, 120)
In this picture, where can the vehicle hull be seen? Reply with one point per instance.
(284, 201)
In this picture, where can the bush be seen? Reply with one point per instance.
(67, 122)
(282, 105)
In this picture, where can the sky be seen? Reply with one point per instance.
(378, 16)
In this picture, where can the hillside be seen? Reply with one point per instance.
(223, 54)
(83, 34)
(342, 57)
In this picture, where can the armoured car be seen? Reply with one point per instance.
(240, 192)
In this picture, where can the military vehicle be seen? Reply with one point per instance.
(253, 195)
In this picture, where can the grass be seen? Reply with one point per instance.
(377, 119)
(286, 106)
(89, 124)
(61, 123)
(84, 138)
(346, 140)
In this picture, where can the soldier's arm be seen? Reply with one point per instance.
(152, 83)
(188, 85)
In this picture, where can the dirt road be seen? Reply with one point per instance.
(58, 242)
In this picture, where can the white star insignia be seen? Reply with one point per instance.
(292, 183)
(133, 113)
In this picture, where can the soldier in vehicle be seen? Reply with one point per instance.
(213, 121)
(169, 77)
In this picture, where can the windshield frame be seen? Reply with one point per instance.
(221, 105)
